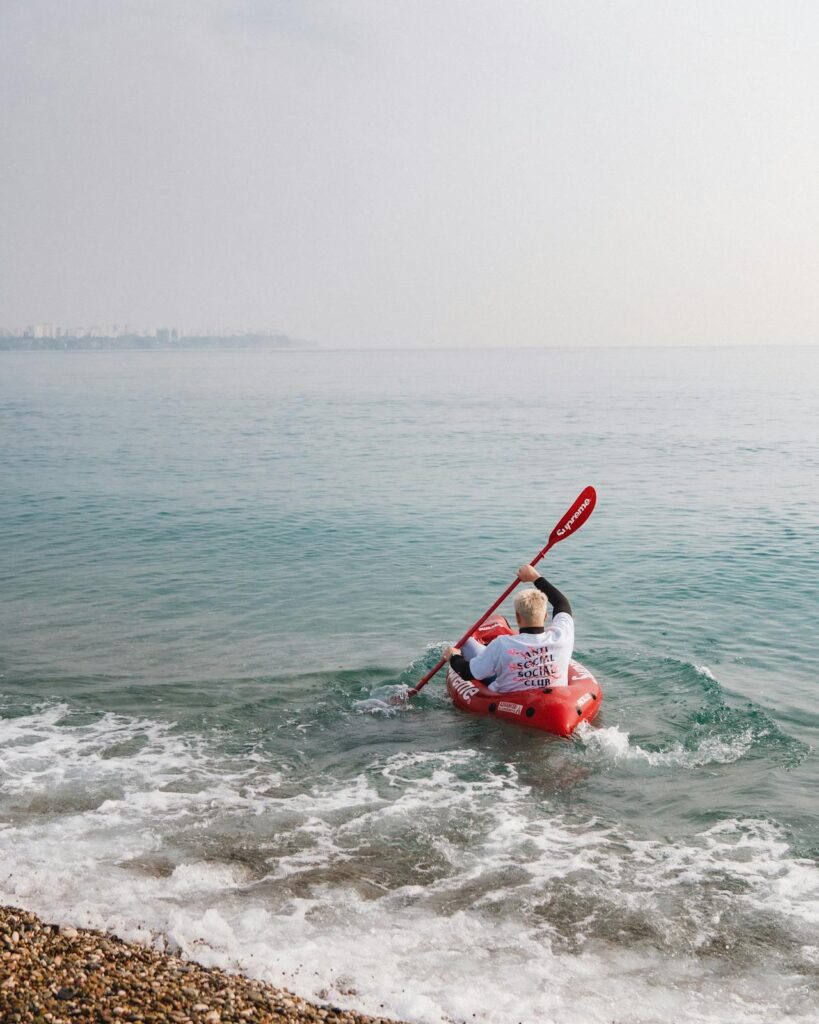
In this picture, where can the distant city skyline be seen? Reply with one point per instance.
(49, 330)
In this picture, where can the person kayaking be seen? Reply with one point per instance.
(537, 656)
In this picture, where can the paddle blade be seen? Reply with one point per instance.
(575, 517)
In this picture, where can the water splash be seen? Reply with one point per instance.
(612, 745)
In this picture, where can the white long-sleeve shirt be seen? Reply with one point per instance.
(527, 660)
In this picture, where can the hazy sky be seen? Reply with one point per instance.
(383, 173)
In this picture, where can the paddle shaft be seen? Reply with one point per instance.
(573, 520)
(473, 627)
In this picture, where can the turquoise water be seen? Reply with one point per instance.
(216, 566)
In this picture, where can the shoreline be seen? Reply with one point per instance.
(56, 974)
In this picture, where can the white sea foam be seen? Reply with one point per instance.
(386, 700)
(206, 877)
(612, 744)
(460, 924)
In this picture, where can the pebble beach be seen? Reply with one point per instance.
(54, 974)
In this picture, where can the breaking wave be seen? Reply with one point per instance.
(430, 885)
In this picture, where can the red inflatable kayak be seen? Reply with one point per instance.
(558, 709)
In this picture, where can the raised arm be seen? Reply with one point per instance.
(558, 601)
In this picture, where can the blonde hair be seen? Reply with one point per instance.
(530, 605)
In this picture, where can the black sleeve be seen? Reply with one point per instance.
(558, 601)
(460, 664)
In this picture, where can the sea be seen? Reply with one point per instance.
(216, 569)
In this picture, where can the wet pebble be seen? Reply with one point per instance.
(51, 974)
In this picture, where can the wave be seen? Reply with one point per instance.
(713, 727)
(431, 885)
(612, 745)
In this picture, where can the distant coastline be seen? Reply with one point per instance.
(130, 342)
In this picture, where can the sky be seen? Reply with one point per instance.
(402, 173)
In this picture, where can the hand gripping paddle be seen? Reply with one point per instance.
(569, 524)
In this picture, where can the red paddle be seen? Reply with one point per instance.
(569, 524)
